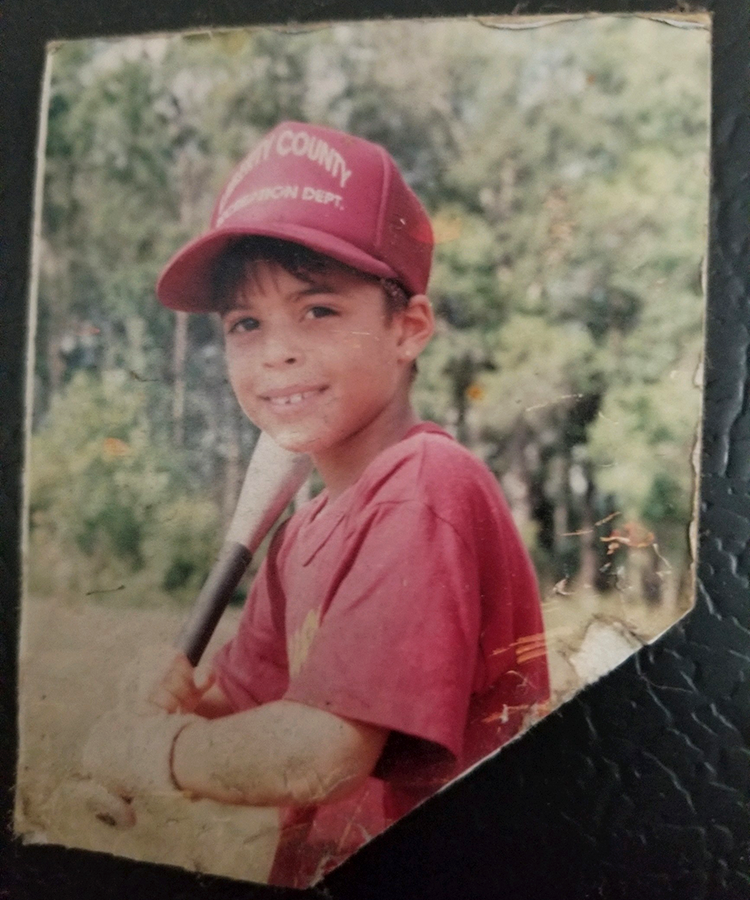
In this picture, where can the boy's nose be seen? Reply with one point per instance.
(279, 351)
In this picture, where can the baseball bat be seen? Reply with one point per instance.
(273, 477)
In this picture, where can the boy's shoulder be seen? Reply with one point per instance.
(429, 466)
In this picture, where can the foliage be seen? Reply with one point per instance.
(112, 499)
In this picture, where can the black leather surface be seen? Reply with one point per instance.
(639, 787)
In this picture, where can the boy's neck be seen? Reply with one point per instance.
(341, 469)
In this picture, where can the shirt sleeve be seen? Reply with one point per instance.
(252, 667)
(397, 643)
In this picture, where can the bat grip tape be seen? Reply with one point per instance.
(212, 600)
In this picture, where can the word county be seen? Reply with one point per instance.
(297, 143)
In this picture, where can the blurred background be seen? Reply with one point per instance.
(565, 169)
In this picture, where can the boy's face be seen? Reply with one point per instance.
(317, 361)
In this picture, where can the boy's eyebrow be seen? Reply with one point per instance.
(315, 287)
(245, 306)
(311, 288)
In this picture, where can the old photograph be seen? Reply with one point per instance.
(365, 417)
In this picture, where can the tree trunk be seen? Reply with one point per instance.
(516, 481)
(179, 355)
(589, 559)
(650, 576)
(232, 459)
(55, 365)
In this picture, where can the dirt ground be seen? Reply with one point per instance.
(73, 662)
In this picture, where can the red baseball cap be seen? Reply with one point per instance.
(339, 195)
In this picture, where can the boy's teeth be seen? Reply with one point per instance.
(292, 398)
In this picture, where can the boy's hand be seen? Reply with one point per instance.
(131, 754)
(178, 689)
(160, 679)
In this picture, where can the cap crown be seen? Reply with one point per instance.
(334, 193)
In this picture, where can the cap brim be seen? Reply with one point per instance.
(185, 282)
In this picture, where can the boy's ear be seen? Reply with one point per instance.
(417, 324)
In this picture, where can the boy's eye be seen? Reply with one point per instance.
(320, 312)
(240, 326)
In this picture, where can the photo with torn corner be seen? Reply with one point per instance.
(487, 495)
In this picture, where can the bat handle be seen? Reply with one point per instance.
(212, 600)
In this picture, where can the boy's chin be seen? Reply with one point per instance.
(295, 442)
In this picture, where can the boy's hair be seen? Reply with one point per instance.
(242, 255)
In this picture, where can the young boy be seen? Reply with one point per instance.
(393, 635)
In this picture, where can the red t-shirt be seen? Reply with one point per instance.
(409, 603)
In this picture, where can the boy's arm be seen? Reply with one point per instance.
(280, 753)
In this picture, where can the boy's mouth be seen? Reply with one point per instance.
(291, 397)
